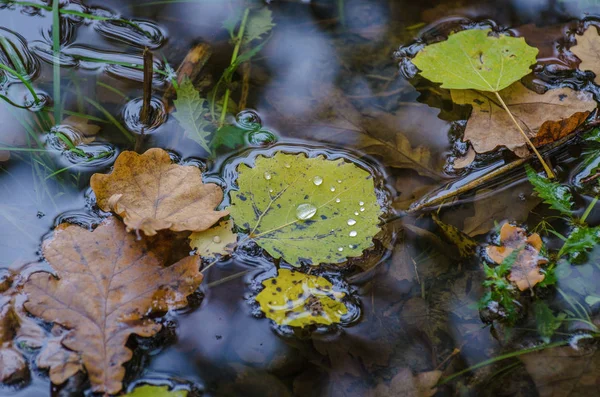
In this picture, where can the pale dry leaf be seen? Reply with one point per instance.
(407, 384)
(218, 240)
(466, 160)
(525, 271)
(544, 117)
(108, 282)
(82, 125)
(588, 50)
(151, 194)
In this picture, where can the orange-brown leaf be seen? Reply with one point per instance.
(525, 271)
(150, 194)
(108, 282)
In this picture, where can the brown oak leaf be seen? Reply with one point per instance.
(108, 282)
(525, 271)
(544, 117)
(407, 384)
(150, 194)
(62, 363)
(15, 326)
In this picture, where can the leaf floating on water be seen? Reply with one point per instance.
(465, 244)
(109, 282)
(298, 300)
(525, 271)
(150, 194)
(296, 216)
(156, 391)
(588, 50)
(472, 59)
(545, 118)
(217, 240)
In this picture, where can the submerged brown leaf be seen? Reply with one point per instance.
(544, 117)
(109, 281)
(62, 363)
(563, 371)
(407, 384)
(150, 194)
(525, 271)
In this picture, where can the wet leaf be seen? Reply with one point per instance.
(580, 240)
(218, 240)
(407, 384)
(156, 391)
(491, 207)
(588, 50)
(306, 210)
(192, 113)
(563, 371)
(525, 271)
(15, 328)
(150, 194)
(298, 300)
(472, 59)
(83, 125)
(557, 196)
(544, 117)
(465, 244)
(260, 22)
(61, 362)
(108, 282)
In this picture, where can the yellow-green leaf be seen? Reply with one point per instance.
(306, 210)
(472, 59)
(297, 299)
(218, 240)
(156, 391)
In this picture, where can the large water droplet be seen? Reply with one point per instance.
(216, 239)
(351, 222)
(305, 211)
(267, 175)
(352, 233)
(317, 180)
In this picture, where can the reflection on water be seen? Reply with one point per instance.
(326, 80)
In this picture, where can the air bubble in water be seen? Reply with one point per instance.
(317, 180)
(305, 211)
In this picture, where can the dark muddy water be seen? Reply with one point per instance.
(326, 81)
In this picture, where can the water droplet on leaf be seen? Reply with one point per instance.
(267, 175)
(216, 239)
(352, 233)
(351, 222)
(317, 180)
(305, 211)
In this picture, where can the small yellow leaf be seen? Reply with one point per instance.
(217, 240)
(297, 299)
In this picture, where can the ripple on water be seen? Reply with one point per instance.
(133, 32)
(131, 116)
(13, 47)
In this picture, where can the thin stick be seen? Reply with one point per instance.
(246, 68)
(146, 113)
(539, 156)
(56, 60)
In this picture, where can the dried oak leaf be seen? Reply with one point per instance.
(588, 50)
(61, 362)
(150, 194)
(15, 326)
(108, 282)
(544, 117)
(525, 271)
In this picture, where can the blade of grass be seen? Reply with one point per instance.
(56, 59)
(110, 117)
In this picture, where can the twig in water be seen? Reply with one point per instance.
(146, 114)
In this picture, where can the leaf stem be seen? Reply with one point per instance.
(539, 156)
(236, 50)
(589, 209)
